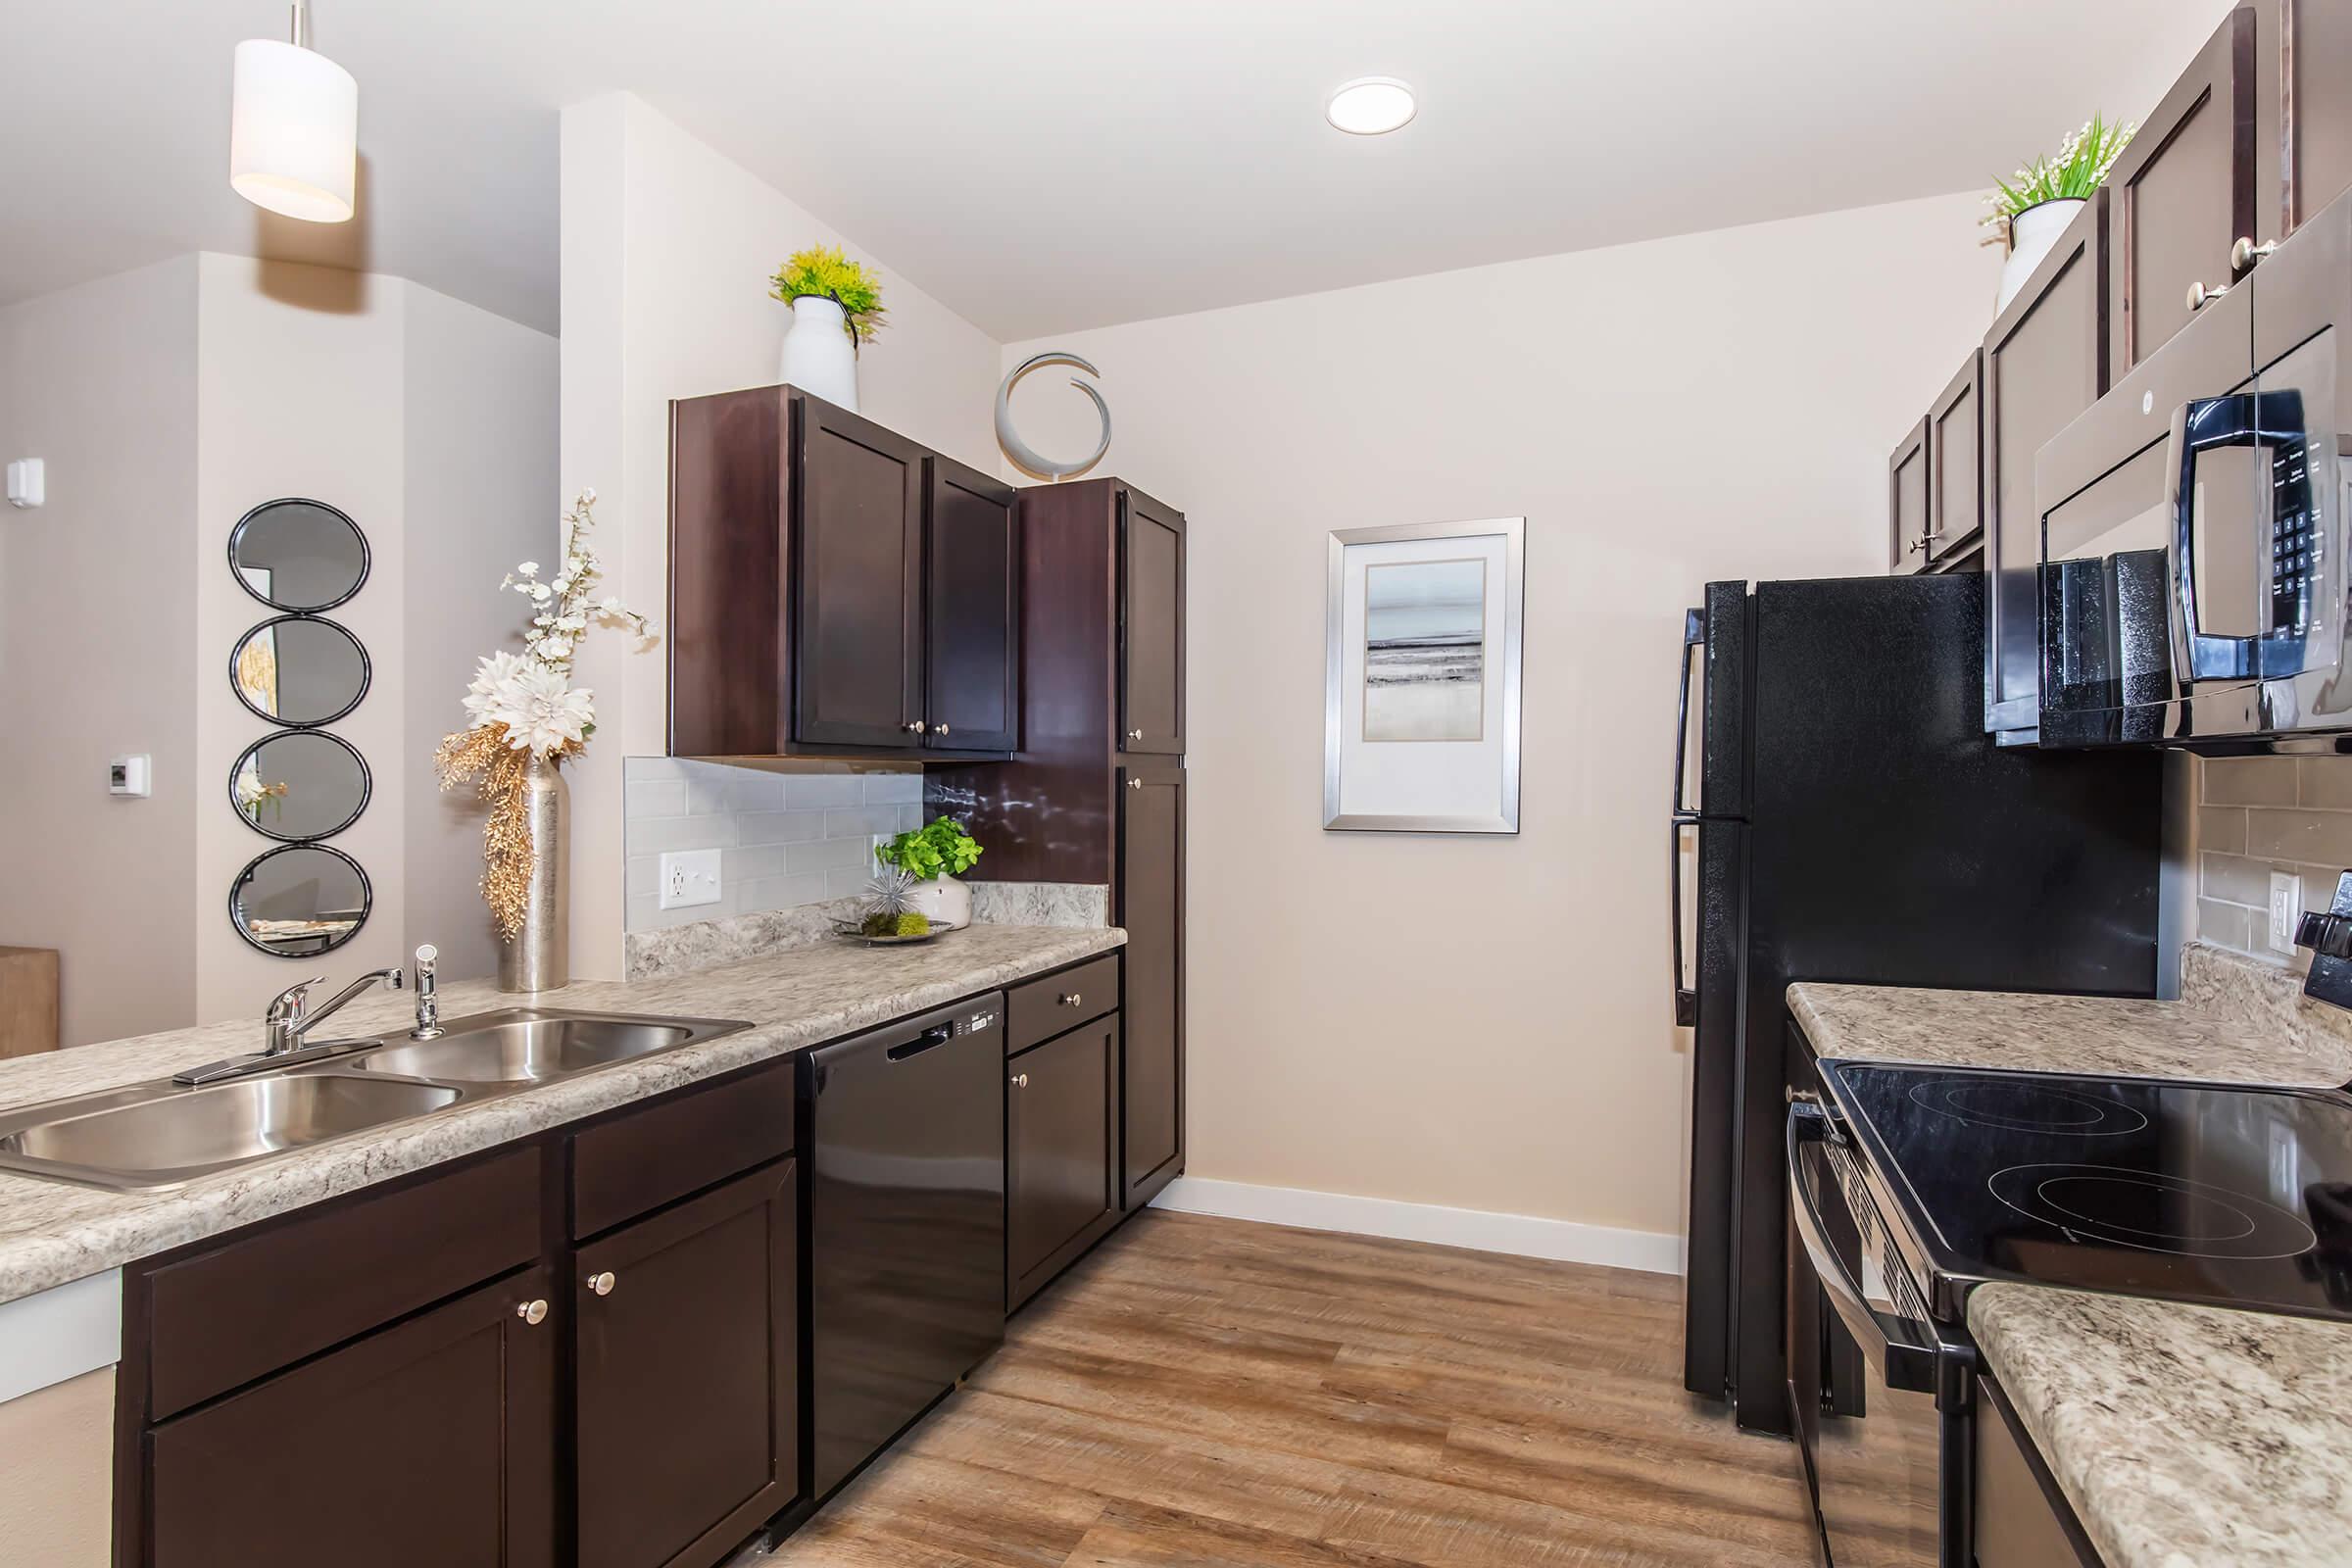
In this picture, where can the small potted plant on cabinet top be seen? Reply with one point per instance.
(2031, 208)
(836, 305)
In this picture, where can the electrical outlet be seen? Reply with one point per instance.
(689, 879)
(2286, 902)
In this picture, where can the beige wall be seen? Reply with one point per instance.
(96, 627)
(56, 1487)
(168, 402)
(666, 251)
(1484, 1023)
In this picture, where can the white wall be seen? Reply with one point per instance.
(96, 624)
(666, 251)
(1484, 1023)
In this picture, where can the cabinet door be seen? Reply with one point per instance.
(1062, 1145)
(2183, 194)
(433, 1441)
(2310, 53)
(1150, 891)
(1955, 473)
(2045, 364)
(688, 1423)
(1907, 500)
(857, 679)
(1150, 625)
(972, 700)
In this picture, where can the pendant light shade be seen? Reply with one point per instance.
(293, 133)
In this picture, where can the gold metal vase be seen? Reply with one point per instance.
(538, 957)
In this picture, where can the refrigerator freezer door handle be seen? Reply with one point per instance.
(1694, 635)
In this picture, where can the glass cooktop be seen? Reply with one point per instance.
(2239, 1197)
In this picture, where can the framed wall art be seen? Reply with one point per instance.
(1421, 672)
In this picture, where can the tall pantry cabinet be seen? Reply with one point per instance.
(1094, 791)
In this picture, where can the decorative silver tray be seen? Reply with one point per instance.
(852, 931)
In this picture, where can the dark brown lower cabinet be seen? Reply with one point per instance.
(1062, 1153)
(1151, 900)
(687, 1427)
(430, 1441)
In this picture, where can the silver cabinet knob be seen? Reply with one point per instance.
(600, 1283)
(1070, 999)
(1135, 783)
(2201, 294)
(913, 727)
(1135, 734)
(2246, 253)
(532, 1312)
(1020, 1080)
(940, 729)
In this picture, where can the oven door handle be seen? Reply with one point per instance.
(1905, 1352)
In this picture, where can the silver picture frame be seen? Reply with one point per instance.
(1502, 656)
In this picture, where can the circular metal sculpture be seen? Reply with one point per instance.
(1020, 453)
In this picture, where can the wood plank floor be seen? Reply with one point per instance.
(1210, 1392)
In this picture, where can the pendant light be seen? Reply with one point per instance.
(293, 131)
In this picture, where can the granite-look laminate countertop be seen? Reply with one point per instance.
(2241, 1023)
(52, 1232)
(2182, 1435)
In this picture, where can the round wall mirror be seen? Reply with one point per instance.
(298, 555)
(299, 671)
(299, 785)
(299, 900)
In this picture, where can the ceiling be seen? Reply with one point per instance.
(1043, 166)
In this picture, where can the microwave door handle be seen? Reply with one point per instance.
(1906, 1358)
(2200, 425)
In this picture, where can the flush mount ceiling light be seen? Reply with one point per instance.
(293, 132)
(1370, 105)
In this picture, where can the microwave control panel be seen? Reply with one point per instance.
(2296, 541)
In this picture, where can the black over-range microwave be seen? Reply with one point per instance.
(2193, 581)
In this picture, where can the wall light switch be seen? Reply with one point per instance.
(132, 776)
(2286, 902)
(689, 879)
(28, 482)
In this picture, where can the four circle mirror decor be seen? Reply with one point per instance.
(299, 785)
(299, 900)
(299, 671)
(302, 555)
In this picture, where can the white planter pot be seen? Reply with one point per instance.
(820, 357)
(2032, 234)
(942, 899)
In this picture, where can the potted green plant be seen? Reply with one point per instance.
(2031, 211)
(835, 305)
(935, 856)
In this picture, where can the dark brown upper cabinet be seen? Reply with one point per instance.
(972, 611)
(2045, 362)
(1907, 500)
(1150, 625)
(2304, 148)
(857, 583)
(2184, 194)
(687, 1429)
(836, 590)
(1955, 472)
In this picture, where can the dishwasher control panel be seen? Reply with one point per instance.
(976, 1023)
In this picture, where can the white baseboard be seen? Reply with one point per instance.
(1524, 1234)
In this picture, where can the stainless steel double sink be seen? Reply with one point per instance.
(161, 1134)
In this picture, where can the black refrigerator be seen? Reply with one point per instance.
(1854, 823)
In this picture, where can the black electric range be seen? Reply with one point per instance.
(2238, 1197)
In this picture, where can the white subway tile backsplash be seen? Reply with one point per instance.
(823, 790)
(786, 838)
(864, 821)
(664, 797)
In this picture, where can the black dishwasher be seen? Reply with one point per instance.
(905, 1126)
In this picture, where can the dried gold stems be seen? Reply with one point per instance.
(501, 775)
